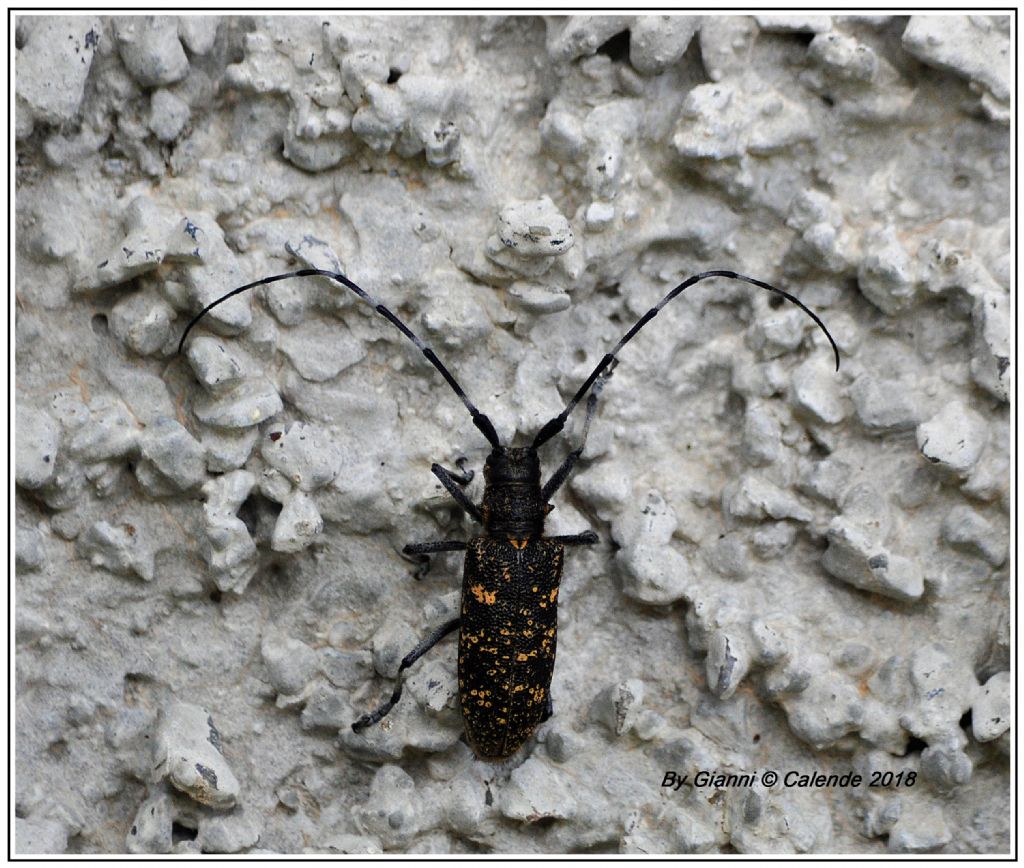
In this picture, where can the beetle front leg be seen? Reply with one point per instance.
(407, 661)
(560, 475)
(452, 483)
(463, 477)
(420, 552)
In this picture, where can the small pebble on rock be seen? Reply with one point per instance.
(188, 752)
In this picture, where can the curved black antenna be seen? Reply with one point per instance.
(555, 425)
(479, 419)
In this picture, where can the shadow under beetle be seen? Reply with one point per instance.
(508, 619)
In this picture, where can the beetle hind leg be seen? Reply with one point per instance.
(407, 661)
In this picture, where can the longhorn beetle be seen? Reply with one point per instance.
(508, 617)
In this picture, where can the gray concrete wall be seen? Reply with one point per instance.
(799, 570)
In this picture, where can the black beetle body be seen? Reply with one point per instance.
(508, 615)
(509, 610)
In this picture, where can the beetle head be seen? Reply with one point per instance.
(512, 464)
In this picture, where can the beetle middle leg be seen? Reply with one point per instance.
(407, 661)
(420, 552)
(583, 538)
(453, 483)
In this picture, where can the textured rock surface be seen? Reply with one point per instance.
(799, 570)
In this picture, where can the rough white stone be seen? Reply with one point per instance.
(142, 321)
(53, 64)
(35, 457)
(168, 115)
(534, 229)
(305, 454)
(919, 830)
(963, 527)
(112, 432)
(829, 708)
(535, 791)
(946, 686)
(974, 46)
(217, 367)
(888, 274)
(538, 298)
(725, 44)
(581, 35)
(855, 557)
(845, 56)
(953, 438)
(991, 714)
(153, 827)
(252, 402)
(227, 449)
(656, 42)
(298, 524)
(727, 663)
(229, 551)
(599, 216)
(886, 405)
(618, 706)
(188, 752)
(198, 32)
(320, 351)
(753, 497)
(720, 122)
(794, 23)
(229, 833)
(39, 837)
(119, 549)
(991, 360)
(817, 392)
(945, 766)
(171, 455)
(150, 49)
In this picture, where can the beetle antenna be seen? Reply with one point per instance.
(556, 424)
(479, 419)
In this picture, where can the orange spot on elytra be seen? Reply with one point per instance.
(483, 596)
(553, 595)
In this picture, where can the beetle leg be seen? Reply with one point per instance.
(584, 538)
(420, 553)
(407, 661)
(452, 483)
(466, 476)
(428, 548)
(560, 475)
